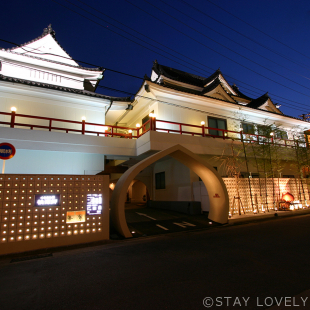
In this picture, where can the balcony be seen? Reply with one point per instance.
(151, 136)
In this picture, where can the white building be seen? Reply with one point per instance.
(61, 126)
(40, 79)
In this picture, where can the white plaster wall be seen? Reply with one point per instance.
(177, 176)
(43, 102)
(53, 162)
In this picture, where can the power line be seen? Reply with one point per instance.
(167, 47)
(105, 87)
(233, 52)
(120, 71)
(234, 30)
(266, 34)
(228, 38)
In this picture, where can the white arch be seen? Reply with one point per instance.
(219, 201)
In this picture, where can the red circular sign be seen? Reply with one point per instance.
(7, 151)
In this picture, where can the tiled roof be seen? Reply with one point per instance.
(239, 93)
(179, 75)
(256, 103)
(234, 103)
(50, 31)
(61, 88)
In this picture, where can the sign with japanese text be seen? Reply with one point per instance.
(47, 200)
(94, 204)
(7, 151)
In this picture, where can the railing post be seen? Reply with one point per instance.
(203, 130)
(130, 133)
(13, 110)
(154, 123)
(112, 131)
(180, 128)
(83, 126)
(50, 125)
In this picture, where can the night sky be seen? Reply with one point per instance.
(197, 36)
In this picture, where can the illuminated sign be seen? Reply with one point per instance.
(94, 204)
(47, 200)
(76, 216)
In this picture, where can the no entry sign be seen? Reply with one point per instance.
(7, 151)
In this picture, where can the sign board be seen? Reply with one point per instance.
(7, 151)
(76, 216)
(47, 200)
(94, 204)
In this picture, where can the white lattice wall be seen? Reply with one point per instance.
(259, 188)
(26, 227)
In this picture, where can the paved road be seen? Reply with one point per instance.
(266, 260)
(147, 221)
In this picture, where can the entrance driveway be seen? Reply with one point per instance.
(143, 221)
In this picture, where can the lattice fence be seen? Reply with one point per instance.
(265, 193)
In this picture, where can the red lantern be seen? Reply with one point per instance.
(288, 197)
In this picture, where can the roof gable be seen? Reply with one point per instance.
(46, 47)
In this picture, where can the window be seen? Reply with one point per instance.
(248, 128)
(144, 120)
(160, 182)
(281, 135)
(217, 123)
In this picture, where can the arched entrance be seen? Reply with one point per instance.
(137, 192)
(219, 201)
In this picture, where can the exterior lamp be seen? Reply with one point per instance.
(105, 128)
(13, 109)
(83, 118)
(271, 133)
(129, 131)
(152, 115)
(138, 125)
(203, 123)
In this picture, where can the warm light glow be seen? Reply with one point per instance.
(13, 109)
(83, 118)
(105, 128)
(112, 186)
(288, 197)
(129, 131)
(203, 123)
(271, 133)
(138, 125)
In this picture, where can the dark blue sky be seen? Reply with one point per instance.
(131, 34)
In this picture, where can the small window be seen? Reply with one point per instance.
(248, 128)
(282, 135)
(217, 123)
(144, 120)
(160, 182)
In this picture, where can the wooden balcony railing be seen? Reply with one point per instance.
(134, 133)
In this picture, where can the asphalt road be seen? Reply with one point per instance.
(259, 262)
(148, 221)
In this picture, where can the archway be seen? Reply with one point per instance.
(138, 192)
(219, 201)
